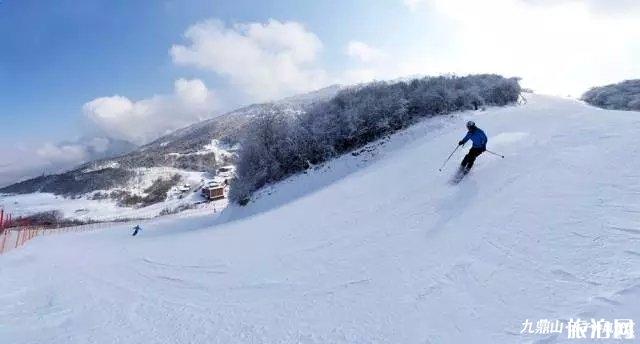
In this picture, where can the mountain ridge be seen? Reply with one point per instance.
(226, 128)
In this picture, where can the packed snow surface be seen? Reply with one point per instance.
(374, 247)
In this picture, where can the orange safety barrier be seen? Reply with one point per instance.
(15, 233)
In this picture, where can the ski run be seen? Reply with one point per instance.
(373, 247)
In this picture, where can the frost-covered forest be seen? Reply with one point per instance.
(278, 145)
(621, 96)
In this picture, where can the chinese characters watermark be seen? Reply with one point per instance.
(582, 329)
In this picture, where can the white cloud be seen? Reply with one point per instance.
(372, 63)
(144, 120)
(27, 161)
(559, 47)
(369, 63)
(99, 144)
(62, 153)
(265, 61)
(609, 6)
(603, 6)
(364, 52)
(414, 4)
(22, 163)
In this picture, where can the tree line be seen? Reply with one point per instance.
(620, 96)
(278, 145)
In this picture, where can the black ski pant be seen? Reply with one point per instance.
(470, 158)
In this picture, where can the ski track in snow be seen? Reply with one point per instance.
(373, 248)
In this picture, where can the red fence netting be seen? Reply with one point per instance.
(17, 232)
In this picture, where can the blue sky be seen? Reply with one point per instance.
(134, 70)
(60, 54)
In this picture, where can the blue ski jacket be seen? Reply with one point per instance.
(477, 136)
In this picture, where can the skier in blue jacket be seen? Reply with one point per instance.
(479, 139)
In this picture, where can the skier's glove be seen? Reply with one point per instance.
(460, 143)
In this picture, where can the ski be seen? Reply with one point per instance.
(459, 175)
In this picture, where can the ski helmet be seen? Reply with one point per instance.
(471, 124)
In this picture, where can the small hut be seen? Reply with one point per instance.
(214, 192)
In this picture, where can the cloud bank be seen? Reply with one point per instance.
(264, 60)
(62, 153)
(144, 120)
(363, 52)
(559, 47)
(28, 161)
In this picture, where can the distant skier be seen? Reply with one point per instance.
(136, 229)
(479, 139)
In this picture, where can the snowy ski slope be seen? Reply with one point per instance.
(373, 248)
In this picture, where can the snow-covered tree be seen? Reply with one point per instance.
(621, 96)
(278, 145)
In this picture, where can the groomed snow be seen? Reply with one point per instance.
(374, 248)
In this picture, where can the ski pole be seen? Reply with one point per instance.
(494, 153)
(450, 155)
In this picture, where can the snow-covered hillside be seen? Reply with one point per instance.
(90, 207)
(375, 247)
(194, 151)
(102, 205)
